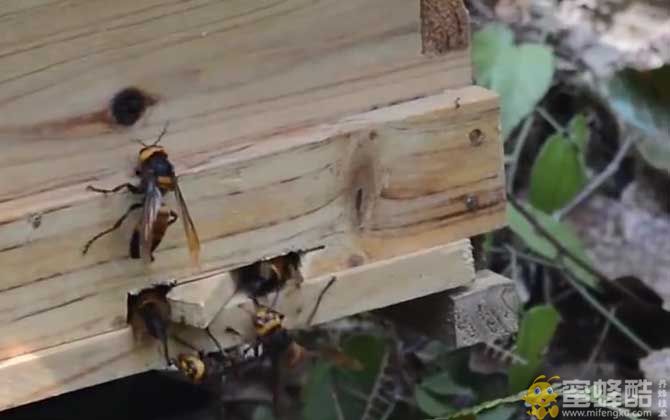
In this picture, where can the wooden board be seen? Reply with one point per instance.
(224, 73)
(116, 354)
(369, 187)
(486, 310)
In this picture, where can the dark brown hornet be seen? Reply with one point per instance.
(267, 276)
(276, 343)
(149, 313)
(200, 368)
(157, 178)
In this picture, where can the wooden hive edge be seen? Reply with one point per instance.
(120, 353)
(370, 187)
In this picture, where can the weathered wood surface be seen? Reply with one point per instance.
(116, 354)
(481, 312)
(225, 73)
(369, 187)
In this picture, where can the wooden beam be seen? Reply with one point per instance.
(116, 354)
(197, 303)
(225, 74)
(353, 290)
(370, 187)
(482, 312)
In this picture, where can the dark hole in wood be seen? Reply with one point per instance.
(472, 202)
(128, 106)
(477, 137)
(270, 275)
(359, 202)
(159, 289)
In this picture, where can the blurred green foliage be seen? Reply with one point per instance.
(537, 328)
(559, 173)
(642, 99)
(520, 74)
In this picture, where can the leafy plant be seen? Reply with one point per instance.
(433, 393)
(326, 381)
(520, 74)
(540, 245)
(536, 330)
(642, 99)
(558, 173)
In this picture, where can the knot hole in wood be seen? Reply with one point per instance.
(129, 104)
(363, 187)
(477, 137)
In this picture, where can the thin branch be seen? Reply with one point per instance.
(551, 120)
(507, 354)
(598, 180)
(572, 279)
(359, 395)
(576, 285)
(563, 251)
(336, 403)
(519, 144)
(319, 299)
(601, 341)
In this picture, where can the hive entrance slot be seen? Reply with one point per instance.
(270, 275)
(266, 276)
(157, 293)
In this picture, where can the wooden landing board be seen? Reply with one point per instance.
(116, 354)
(224, 73)
(369, 187)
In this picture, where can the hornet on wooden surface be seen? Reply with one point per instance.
(157, 178)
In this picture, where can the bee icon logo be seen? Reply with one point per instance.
(541, 398)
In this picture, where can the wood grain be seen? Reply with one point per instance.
(370, 187)
(224, 73)
(116, 354)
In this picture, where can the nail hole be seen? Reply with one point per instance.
(129, 105)
(477, 137)
(472, 202)
(36, 220)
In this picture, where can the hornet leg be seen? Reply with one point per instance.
(113, 228)
(130, 187)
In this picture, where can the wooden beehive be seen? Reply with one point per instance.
(350, 126)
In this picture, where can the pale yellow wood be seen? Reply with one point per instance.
(116, 354)
(197, 303)
(369, 187)
(76, 365)
(224, 73)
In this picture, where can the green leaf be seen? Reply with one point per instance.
(317, 399)
(442, 384)
(579, 132)
(429, 404)
(263, 413)
(488, 45)
(521, 75)
(501, 412)
(557, 174)
(369, 350)
(642, 99)
(536, 330)
(540, 245)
